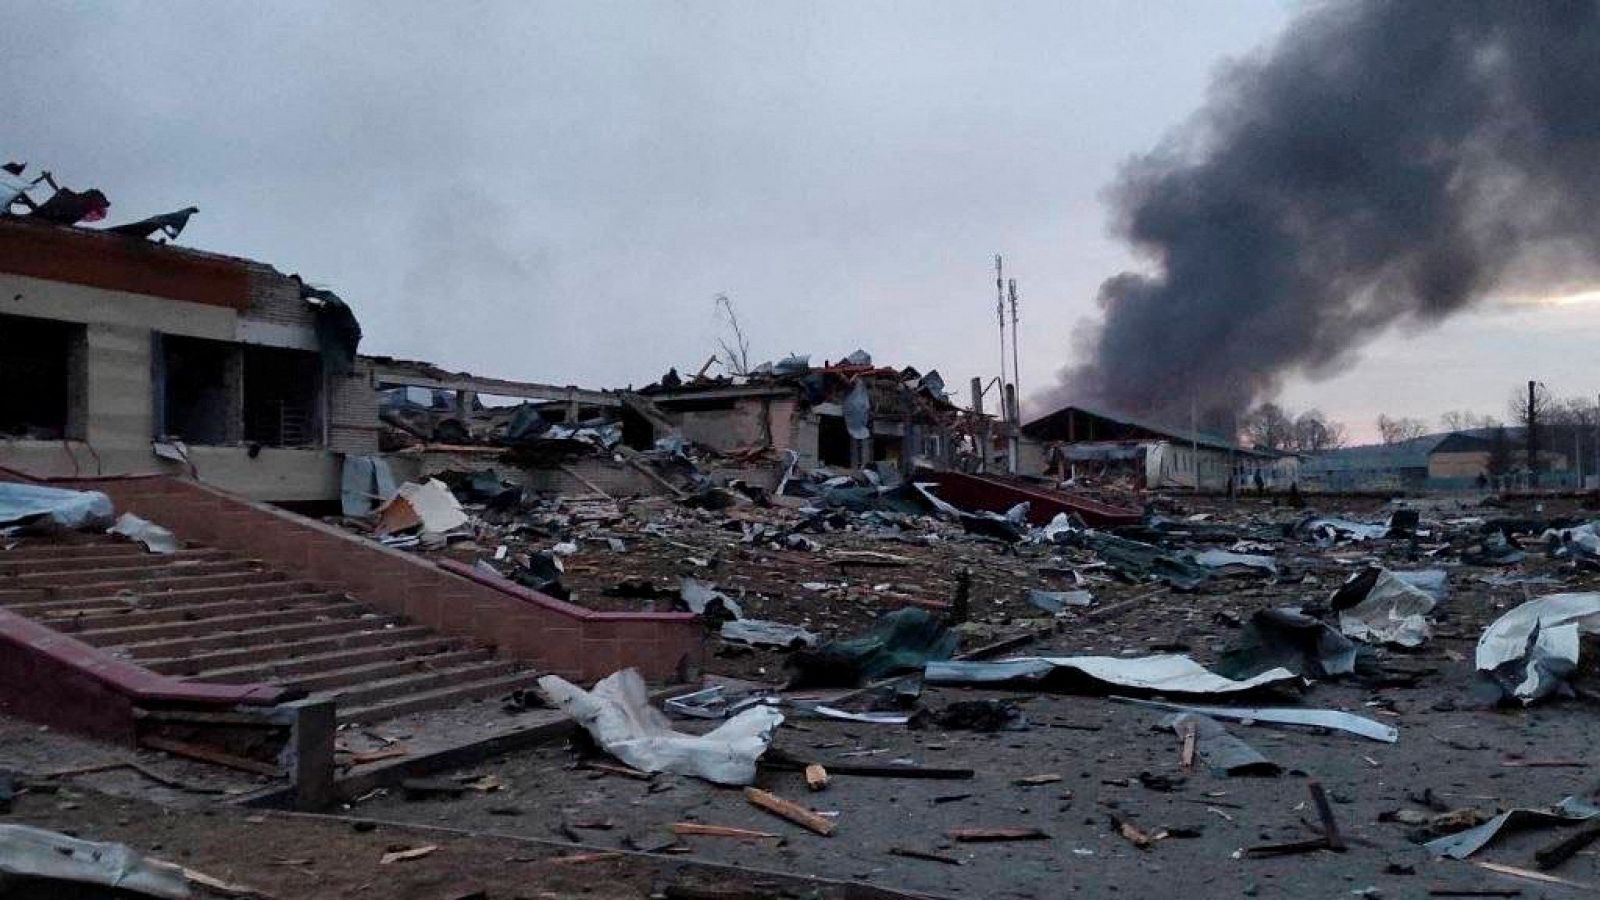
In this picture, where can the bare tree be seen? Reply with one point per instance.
(1501, 454)
(734, 348)
(1466, 420)
(1316, 433)
(1569, 429)
(1398, 430)
(1268, 427)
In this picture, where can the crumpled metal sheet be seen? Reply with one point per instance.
(857, 409)
(1463, 844)
(34, 853)
(900, 641)
(1161, 674)
(1286, 715)
(1226, 560)
(155, 538)
(60, 507)
(618, 715)
(761, 633)
(1334, 528)
(1223, 753)
(1138, 560)
(1529, 652)
(364, 483)
(1291, 639)
(700, 596)
(428, 504)
(1393, 612)
(1056, 602)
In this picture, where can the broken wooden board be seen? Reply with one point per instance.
(790, 810)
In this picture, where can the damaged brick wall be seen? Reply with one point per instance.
(353, 404)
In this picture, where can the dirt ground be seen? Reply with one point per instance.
(289, 856)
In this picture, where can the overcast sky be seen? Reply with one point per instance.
(556, 192)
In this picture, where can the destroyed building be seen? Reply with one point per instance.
(848, 414)
(122, 355)
(1076, 442)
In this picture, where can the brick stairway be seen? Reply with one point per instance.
(207, 615)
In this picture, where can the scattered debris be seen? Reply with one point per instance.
(1465, 843)
(1165, 674)
(1528, 653)
(1222, 753)
(901, 641)
(155, 538)
(28, 504)
(1313, 718)
(50, 857)
(394, 856)
(618, 715)
(1390, 610)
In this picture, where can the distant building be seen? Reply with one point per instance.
(1075, 442)
(1452, 460)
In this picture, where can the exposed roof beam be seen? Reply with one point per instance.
(393, 374)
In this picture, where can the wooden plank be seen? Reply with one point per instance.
(210, 755)
(1330, 827)
(726, 831)
(911, 853)
(790, 810)
(988, 835)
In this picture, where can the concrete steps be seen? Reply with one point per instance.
(199, 614)
(181, 580)
(287, 655)
(429, 700)
(207, 615)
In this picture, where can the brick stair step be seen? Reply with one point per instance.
(29, 553)
(380, 672)
(221, 625)
(128, 573)
(261, 587)
(251, 636)
(286, 653)
(370, 692)
(114, 594)
(449, 696)
(130, 616)
(15, 568)
(299, 665)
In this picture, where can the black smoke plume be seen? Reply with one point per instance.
(1386, 163)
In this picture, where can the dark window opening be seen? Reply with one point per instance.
(833, 441)
(282, 397)
(42, 369)
(637, 431)
(196, 390)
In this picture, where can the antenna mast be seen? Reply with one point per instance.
(1000, 313)
(1016, 367)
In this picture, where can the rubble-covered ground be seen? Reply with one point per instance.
(1100, 781)
(1092, 762)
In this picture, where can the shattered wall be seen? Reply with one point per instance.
(353, 402)
(744, 422)
(116, 370)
